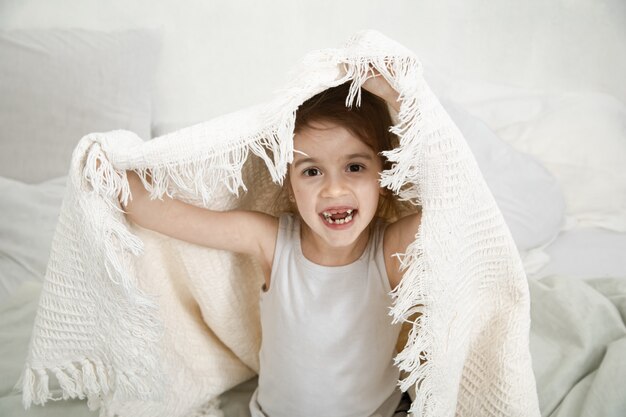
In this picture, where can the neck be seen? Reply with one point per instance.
(316, 251)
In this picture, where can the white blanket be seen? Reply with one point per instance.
(144, 325)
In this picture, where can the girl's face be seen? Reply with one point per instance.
(334, 179)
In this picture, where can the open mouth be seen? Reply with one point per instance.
(338, 216)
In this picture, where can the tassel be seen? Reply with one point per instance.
(90, 382)
(103, 377)
(122, 386)
(94, 402)
(41, 387)
(27, 383)
(67, 384)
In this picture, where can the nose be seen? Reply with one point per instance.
(334, 186)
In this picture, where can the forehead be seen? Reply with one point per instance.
(330, 138)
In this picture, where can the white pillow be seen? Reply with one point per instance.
(581, 139)
(56, 85)
(529, 197)
(586, 253)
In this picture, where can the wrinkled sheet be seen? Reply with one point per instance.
(578, 346)
(577, 341)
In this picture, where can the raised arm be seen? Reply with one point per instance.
(249, 232)
(398, 236)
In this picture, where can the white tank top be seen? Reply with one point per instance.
(327, 339)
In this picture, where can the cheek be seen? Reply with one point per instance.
(300, 193)
(371, 184)
(370, 190)
(296, 189)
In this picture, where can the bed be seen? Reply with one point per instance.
(552, 158)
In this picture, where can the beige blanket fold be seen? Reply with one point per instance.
(141, 324)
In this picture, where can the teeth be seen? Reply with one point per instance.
(348, 219)
(328, 214)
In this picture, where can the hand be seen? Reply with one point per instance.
(378, 85)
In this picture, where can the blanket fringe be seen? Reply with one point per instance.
(410, 299)
(85, 379)
(98, 171)
(197, 180)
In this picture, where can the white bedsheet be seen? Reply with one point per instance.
(577, 343)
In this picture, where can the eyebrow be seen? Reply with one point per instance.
(303, 161)
(362, 155)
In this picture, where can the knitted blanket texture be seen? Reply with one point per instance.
(141, 324)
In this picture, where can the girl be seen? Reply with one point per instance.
(328, 342)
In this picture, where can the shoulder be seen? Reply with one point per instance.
(402, 232)
(397, 237)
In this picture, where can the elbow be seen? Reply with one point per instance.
(138, 207)
(130, 212)
(135, 200)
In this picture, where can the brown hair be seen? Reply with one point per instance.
(370, 122)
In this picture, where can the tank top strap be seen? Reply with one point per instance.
(376, 242)
(286, 230)
(284, 243)
(376, 253)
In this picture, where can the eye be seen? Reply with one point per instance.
(355, 168)
(311, 172)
